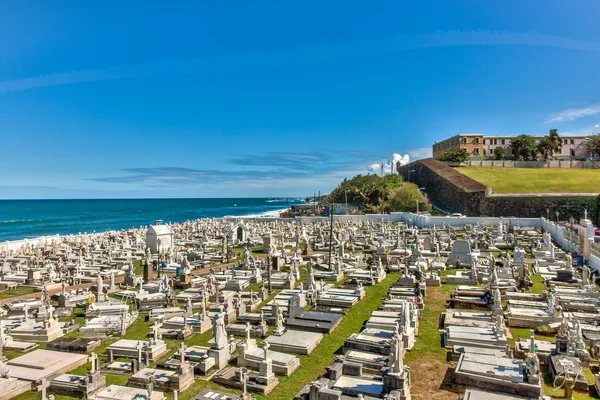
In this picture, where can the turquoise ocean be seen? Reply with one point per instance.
(33, 218)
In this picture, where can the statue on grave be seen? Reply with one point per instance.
(551, 304)
(185, 266)
(395, 361)
(279, 327)
(219, 333)
(532, 365)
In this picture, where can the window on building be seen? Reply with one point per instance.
(476, 150)
(464, 140)
(476, 141)
(572, 141)
(572, 152)
(495, 141)
(503, 141)
(484, 152)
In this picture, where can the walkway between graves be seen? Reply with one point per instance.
(313, 366)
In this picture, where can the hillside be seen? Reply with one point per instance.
(536, 180)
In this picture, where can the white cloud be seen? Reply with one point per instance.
(389, 165)
(572, 114)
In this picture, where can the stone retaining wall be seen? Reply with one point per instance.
(455, 191)
(461, 194)
(537, 205)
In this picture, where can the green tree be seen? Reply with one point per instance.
(406, 197)
(556, 140)
(593, 143)
(550, 144)
(454, 155)
(545, 148)
(365, 191)
(499, 153)
(523, 147)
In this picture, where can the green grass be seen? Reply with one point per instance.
(428, 344)
(536, 180)
(313, 366)
(538, 284)
(20, 291)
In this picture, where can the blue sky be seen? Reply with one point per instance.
(249, 99)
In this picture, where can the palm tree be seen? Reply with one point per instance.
(307, 200)
(555, 140)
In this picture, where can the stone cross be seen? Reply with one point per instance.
(42, 387)
(139, 352)
(155, 330)
(247, 331)
(182, 354)
(93, 362)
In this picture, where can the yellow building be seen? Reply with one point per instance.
(472, 142)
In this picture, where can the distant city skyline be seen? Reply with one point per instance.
(274, 99)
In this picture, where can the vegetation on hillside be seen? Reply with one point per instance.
(375, 194)
(454, 155)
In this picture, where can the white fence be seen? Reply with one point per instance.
(589, 164)
(428, 221)
(393, 217)
(566, 238)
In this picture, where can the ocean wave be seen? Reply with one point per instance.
(14, 221)
(264, 214)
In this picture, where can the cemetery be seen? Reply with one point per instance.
(397, 307)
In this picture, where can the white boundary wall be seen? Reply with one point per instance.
(559, 234)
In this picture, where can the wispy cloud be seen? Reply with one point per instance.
(261, 170)
(25, 187)
(305, 55)
(294, 161)
(572, 114)
(264, 170)
(177, 176)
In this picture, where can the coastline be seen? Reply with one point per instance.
(17, 243)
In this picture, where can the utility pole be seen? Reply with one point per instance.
(346, 195)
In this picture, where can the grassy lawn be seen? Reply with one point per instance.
(313, 366)
(20, 291)
(536, 180)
